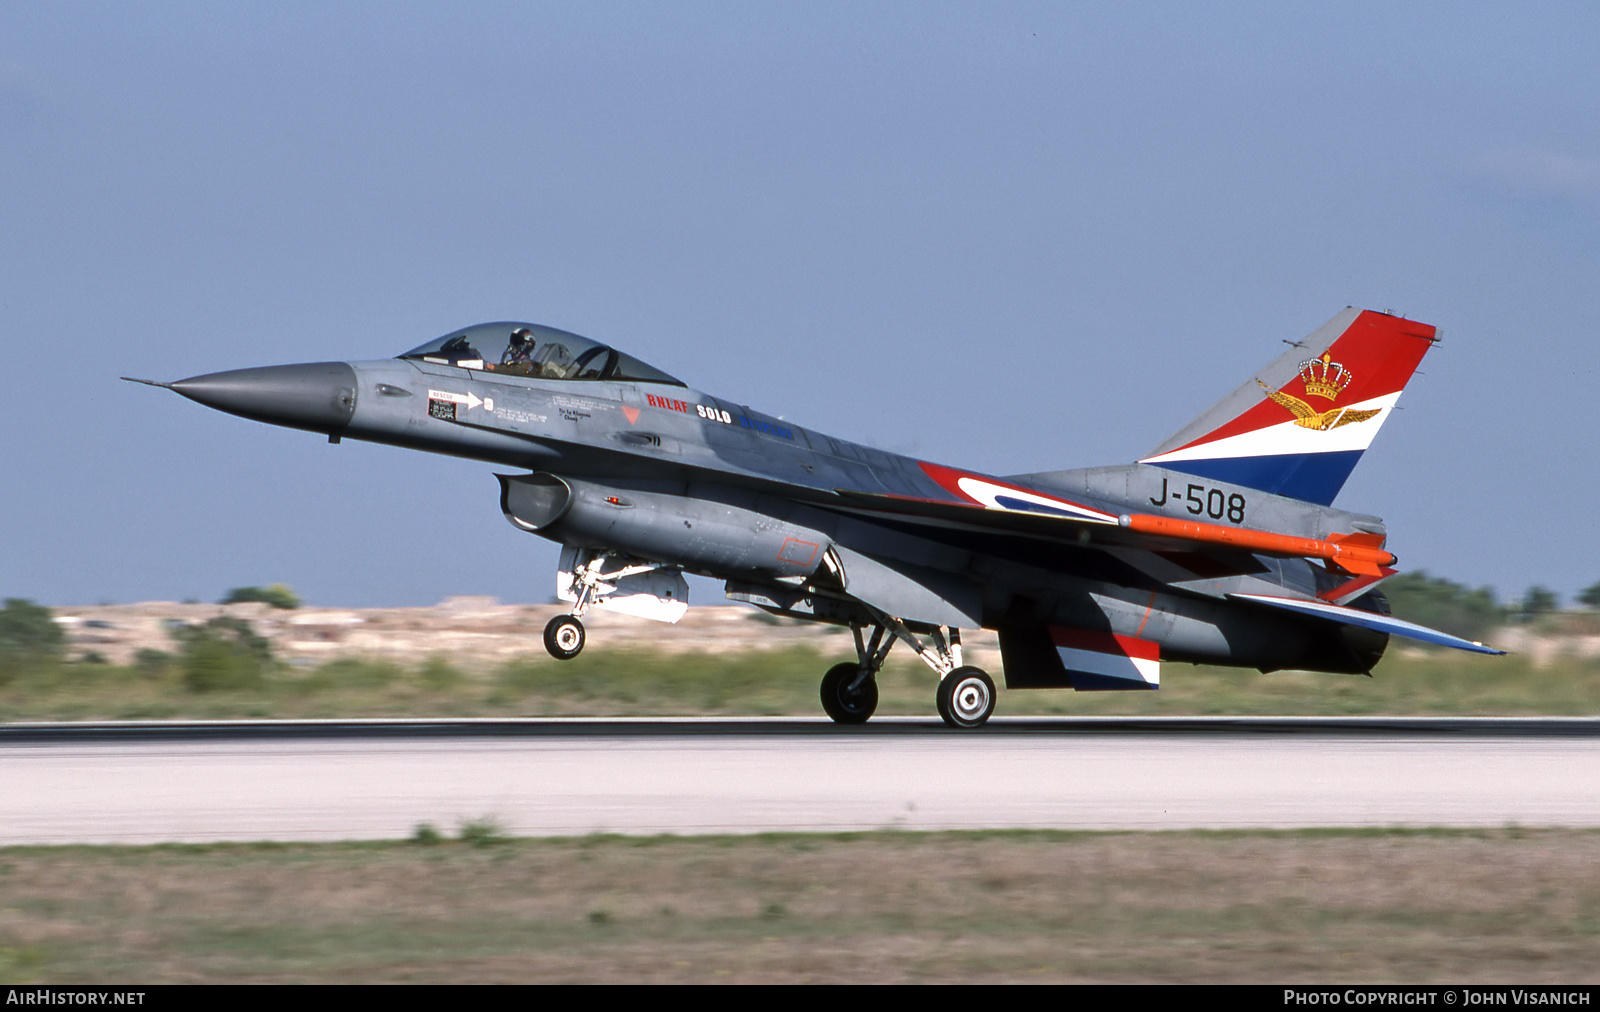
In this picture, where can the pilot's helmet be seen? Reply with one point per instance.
(520, 337)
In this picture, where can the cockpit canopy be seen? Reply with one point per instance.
(527, 349)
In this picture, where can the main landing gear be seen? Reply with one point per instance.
(966, 697)
(850, 691)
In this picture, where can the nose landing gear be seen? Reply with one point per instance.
(563, 637)
(635, 587)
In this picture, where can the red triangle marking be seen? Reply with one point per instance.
(632, 413)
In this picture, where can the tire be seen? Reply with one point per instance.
(563, 637)
(848, 708)
(966, 698)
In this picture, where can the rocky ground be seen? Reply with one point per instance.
(470, 631)
(478, 631)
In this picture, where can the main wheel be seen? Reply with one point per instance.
(563, 637)
(843, 705)
(966, 697)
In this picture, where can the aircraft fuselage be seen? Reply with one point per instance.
(716, 465)
(1221, 546)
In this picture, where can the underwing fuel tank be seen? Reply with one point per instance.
(697, 534)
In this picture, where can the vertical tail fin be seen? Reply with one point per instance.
(1298, 427)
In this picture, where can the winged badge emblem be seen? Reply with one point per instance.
(1311, 418)
(1324, 378)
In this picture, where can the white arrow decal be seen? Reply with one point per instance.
(470, 400)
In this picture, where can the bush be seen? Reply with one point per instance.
(29, 639)
(152, 663)
(427, 834)
(223, 654)
(357, 673)
(27, 630)
(1537, 601)
(277, 595)
(485, 832)
(439, 675)
(1443, 605)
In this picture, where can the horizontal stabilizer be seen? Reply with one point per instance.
(1368, 620)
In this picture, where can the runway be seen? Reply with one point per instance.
(310, 780)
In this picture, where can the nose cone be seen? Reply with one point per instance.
(320, 396)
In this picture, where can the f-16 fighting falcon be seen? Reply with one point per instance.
(1221, 546)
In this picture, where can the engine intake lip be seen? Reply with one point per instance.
(534, 502)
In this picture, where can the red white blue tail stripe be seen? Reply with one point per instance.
(1299, 427)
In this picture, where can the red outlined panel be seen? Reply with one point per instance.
(797, 552)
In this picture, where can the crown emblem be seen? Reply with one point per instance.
(1324, 377)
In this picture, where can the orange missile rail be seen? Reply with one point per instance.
(1359, 554)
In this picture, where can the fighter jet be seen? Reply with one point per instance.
(1221, 546)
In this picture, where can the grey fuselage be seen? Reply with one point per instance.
(668, 474)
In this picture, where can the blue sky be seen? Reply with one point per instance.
(1009, 237)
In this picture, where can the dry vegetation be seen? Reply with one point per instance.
(780, 681)
(1200, 907)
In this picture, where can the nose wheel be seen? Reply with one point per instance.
(966, 698)
(563, 637)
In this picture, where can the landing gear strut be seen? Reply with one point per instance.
(563, 635)
(850, 691)
(592, 585)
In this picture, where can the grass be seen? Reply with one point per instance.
(776, 682)
(1280, 907)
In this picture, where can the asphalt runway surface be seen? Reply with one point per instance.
(333, 780)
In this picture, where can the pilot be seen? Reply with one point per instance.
(520, 350)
